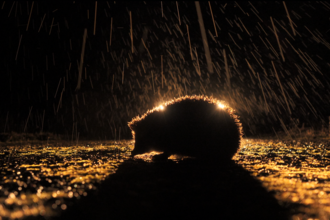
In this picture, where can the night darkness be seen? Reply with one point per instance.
(274, 79)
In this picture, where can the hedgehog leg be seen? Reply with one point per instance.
(161, 157)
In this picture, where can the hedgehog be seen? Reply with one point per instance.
(195, 126)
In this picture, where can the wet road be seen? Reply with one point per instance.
(41, 180)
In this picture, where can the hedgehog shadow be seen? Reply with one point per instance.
(169, 190)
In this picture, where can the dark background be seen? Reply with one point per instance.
(39, 73)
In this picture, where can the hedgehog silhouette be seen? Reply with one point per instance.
(196, 126)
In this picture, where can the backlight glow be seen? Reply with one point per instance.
(220, 105)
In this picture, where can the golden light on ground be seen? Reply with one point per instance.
(298, 173)
(45, 179)
(147, 156)
(59, 174)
